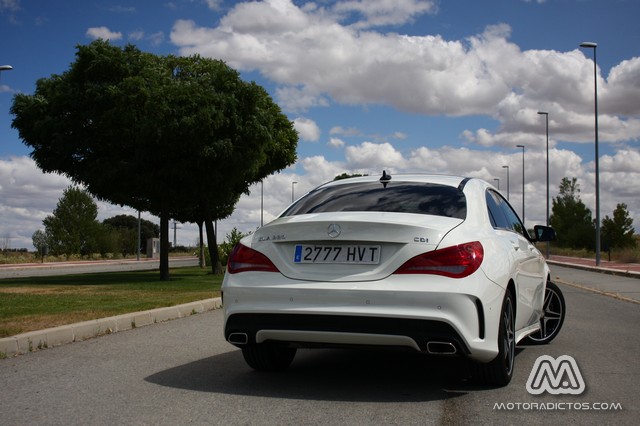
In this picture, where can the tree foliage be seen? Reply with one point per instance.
(72, 228)
(126, 229)
(617, 231)
(571, 219)
(346, 175)
(229, 243)
(180, 137)
(39, 239)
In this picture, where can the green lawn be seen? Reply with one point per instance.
(28, 304)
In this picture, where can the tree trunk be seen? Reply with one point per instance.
(216, 268)
(164, 247)
(203, 263)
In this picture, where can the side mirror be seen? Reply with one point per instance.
(544, 233)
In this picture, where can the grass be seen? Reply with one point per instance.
(28, 304)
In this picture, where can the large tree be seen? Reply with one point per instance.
(617, 231)
(571, 218)
(180, 137)
(72, 228)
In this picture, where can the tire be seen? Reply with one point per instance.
(268, 356)
(553, 311)
(500, 371)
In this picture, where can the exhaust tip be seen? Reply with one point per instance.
(238, 338)
(441, 348)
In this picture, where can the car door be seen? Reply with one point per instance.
(528, 263)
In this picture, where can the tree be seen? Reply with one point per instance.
(39, 239)
(230, 242)
(126, 226)
(571, 219)
(72, 228)
(180, 137)
(346, 175)
(617, 232)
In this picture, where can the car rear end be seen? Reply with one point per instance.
(377, 271)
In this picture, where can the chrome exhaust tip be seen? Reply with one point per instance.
(238, 338)
(441, 348)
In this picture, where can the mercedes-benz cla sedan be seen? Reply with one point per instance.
(436, 264)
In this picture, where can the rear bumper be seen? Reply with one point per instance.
(306, 330)
(400, 311)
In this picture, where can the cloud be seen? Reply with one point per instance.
(336, 142)
(318, 55)
(375, 157)
(374, 13)
(348, 132)
(307, 129)
(103, 33)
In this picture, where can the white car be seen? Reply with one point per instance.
(437, 264)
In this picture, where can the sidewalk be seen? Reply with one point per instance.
(56, 336)
(614, 268)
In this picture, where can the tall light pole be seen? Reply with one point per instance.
(497, 180)
(591, 45)
(5, 68)
(507, 167)
(522, 146)
(546, 115)
(292, 196)
(262, 203)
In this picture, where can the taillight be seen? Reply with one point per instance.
(455, 262)
(244, 259)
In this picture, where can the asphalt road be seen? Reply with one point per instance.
(183, 372)
(89, 267)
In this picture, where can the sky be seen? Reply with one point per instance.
(427, 86)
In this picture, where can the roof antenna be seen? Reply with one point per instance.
(385, 179)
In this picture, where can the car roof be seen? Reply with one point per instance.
(448, 180)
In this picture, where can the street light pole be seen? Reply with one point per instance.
(591, 45)
(5, 68)
(507, 167)
(292, 196)
(522, 146)
(497, 180)
(546, 115)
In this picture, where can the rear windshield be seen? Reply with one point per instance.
(403, 197)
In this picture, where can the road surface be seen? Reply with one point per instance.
(183, 372)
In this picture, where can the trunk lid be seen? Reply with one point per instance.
(348, 246)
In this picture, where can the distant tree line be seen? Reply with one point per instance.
(575, 227)
(73, 229)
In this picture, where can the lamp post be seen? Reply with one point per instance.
(5, 68)
(262, 203)
(522, 146)
(546, 115)
(292, 196)
(591, 45)
(497, 180)
(507, 167)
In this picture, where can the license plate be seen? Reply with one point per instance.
(349, 254)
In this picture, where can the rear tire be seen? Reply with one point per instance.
(553, 311)
(500, 371)
(268, 356)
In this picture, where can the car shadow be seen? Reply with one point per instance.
(329, 375)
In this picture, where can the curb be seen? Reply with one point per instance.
(56, 336)
(609, 271)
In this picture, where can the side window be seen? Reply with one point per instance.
(502, 215)
(496, 214)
